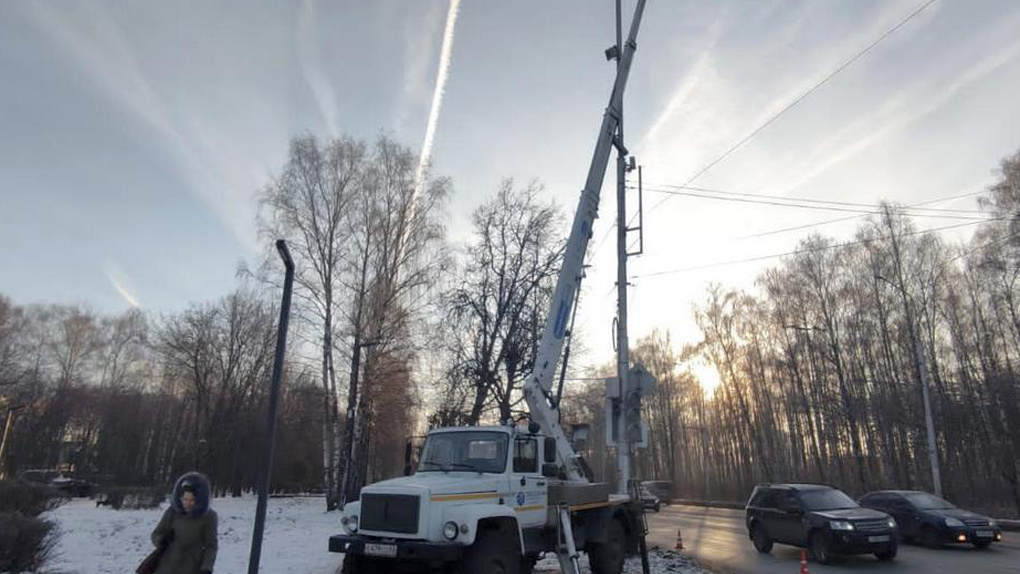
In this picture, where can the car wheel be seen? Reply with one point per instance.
(930, 537)
(887, 555)
(657, 507)
(762, 542)
(982, 544)
(607, 557)
(492, 554)
(818, 547)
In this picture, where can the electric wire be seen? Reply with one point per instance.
(802, 251)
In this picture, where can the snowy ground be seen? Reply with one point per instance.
(659, 562)
(104, 541)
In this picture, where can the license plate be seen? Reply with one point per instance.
(985, 533)
(878, 539)
(389, 550)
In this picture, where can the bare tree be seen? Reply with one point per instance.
(309, 206)
(498, 306)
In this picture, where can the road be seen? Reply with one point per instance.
(717, 537)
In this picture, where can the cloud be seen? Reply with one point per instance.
(311, 69)
(96, 41)
(900, 111)
(118, 279)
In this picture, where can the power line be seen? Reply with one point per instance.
(787, 198)
(801, 98)
(801, 251)
(872, 209)
(850, 217)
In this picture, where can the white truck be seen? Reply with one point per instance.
(493, 499)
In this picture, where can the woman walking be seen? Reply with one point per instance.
(187, 529)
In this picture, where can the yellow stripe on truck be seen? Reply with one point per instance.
(527, 508)
(466, 496)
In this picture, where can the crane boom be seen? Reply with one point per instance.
(538, 385)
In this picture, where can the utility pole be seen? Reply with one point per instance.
(624, 452)
(8, 429)
(913, 329)
(929, 421)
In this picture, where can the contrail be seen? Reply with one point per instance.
(437, 99)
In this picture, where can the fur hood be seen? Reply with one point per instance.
(201, 488)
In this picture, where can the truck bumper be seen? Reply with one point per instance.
(405, 549)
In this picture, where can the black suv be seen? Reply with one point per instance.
(933, 521)
(820, 518)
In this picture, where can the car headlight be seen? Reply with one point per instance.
(891, 522)
(450, 530)
(993, 524)
(841, 525)
(350, 523)
(953, 522)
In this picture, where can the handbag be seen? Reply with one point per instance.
(151, 562)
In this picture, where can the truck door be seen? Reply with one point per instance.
(528, 490)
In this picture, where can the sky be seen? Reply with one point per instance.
(135, 136)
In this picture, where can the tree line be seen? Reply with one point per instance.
(821, 368)
(397, 329)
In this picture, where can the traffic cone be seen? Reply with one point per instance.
(803, 562)
(679, 540)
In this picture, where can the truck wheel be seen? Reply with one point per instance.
(492, 554)
(762, 542)
(607, 557)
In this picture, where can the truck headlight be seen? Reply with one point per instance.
(953, 522)
(841, 525)
(993, 524)
(450, 530)
(891, 523)
(350, 523)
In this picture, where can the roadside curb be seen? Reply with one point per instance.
(1005, 524)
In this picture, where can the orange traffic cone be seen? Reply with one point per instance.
(803, 562)
(679, 540)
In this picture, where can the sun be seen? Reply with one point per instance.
(707, 376)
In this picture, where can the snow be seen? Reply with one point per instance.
(659, 562)
(105, 541)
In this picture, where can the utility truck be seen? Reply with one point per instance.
(494, 499)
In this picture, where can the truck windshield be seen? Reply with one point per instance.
(477, 451)
(826, 499)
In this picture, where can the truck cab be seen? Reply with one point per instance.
(478, 498)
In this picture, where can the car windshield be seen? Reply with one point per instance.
(478, 451)
(826, 499)
(925, 501)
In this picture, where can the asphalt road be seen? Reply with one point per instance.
(717, 537)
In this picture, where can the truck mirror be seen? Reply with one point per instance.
(408, 470)
(550, 470)
(550, 449)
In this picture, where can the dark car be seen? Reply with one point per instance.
(820, 518)
(932, 521)
(649, 500)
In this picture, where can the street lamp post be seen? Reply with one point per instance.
(922, 373)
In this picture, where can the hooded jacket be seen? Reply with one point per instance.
(190, 537)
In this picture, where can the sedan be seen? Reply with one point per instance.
(933, 521)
